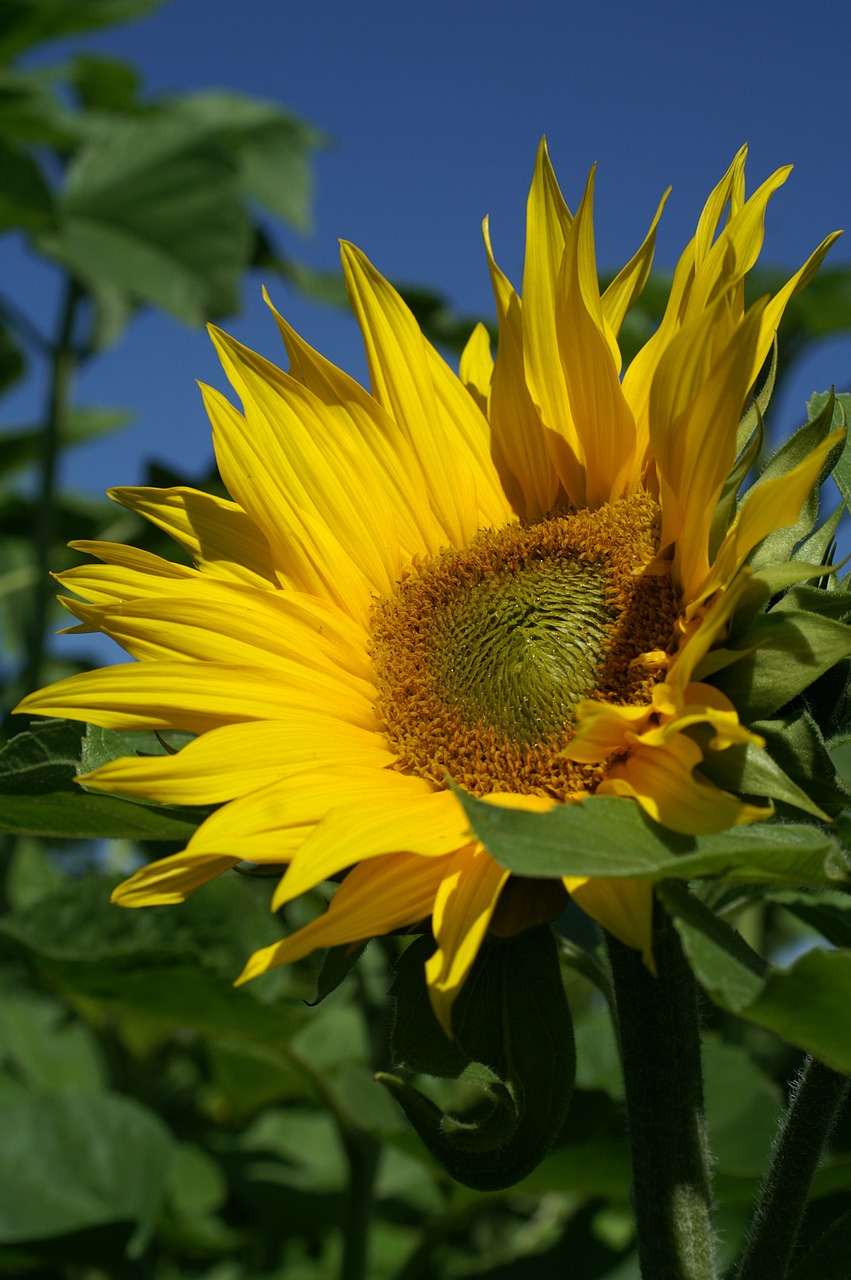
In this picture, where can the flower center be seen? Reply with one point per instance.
(483, 654)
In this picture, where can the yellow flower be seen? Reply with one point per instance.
(505, 579)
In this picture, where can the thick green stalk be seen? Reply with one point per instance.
(816, 1099)
(659, 1033)
(63, 363)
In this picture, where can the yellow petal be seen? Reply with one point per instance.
(518, 436)
(475, 367)
(374, 899)
(662, 781)
(549, 226)
(464, 905)
(195, 696)
(624, 908)
(602, 418)
(238, 758)
(220, 537)
(170, 880)
(394, 814)
(401, 376)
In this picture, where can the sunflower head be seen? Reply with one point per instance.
(528, 583)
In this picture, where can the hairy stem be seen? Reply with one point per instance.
(660, 1051)
(816, 1098)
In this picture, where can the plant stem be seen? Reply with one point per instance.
(63, 366)
(660, 1052)
(362, 1154)
(816, 1098)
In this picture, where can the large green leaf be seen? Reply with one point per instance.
(176, 964)
(271, 147)
(151, 206)
(609, 836)
(38, 794)
(70, 1162)
(806, 1005)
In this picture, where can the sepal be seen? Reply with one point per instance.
(514, 1034)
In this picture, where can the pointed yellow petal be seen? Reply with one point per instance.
(195, 696)
(170, 880)
(518, 437)
(401, 375)
(394, 815)
(238, 758)
(220, 537)
(374, 899)
(602, 418)
(465, 903)
(475, 368)
(548, 228)
(768, 506)
(631, 279)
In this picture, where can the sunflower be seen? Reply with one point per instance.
(506, 579)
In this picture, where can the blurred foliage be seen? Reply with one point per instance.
(156, 1122)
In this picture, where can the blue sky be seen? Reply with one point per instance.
(435, 111)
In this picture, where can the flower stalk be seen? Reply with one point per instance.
(817, 1097)
(659, 1032)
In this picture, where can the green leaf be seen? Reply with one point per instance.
(38, 794)
(829, 913)
(151, 207)
(71, 1162)
(49, 1052)
(806, 1005)
(610, 836)
(12, 360)
(24, 23)
(513, 1019)
(175, 965)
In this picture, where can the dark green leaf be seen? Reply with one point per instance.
(25, 199)
(828, 1258)
(24, 23)
(12, 360)
(71, 1162)
(38, 794)
(609, 836)
(105, 84)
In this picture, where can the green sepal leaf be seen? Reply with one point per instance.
(38, 794)
(748, 770)
(806, 1005)
(337, 964)
(793, 649)
(512, 1018)
(611, 836)
(780, 543)
(841, 416)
